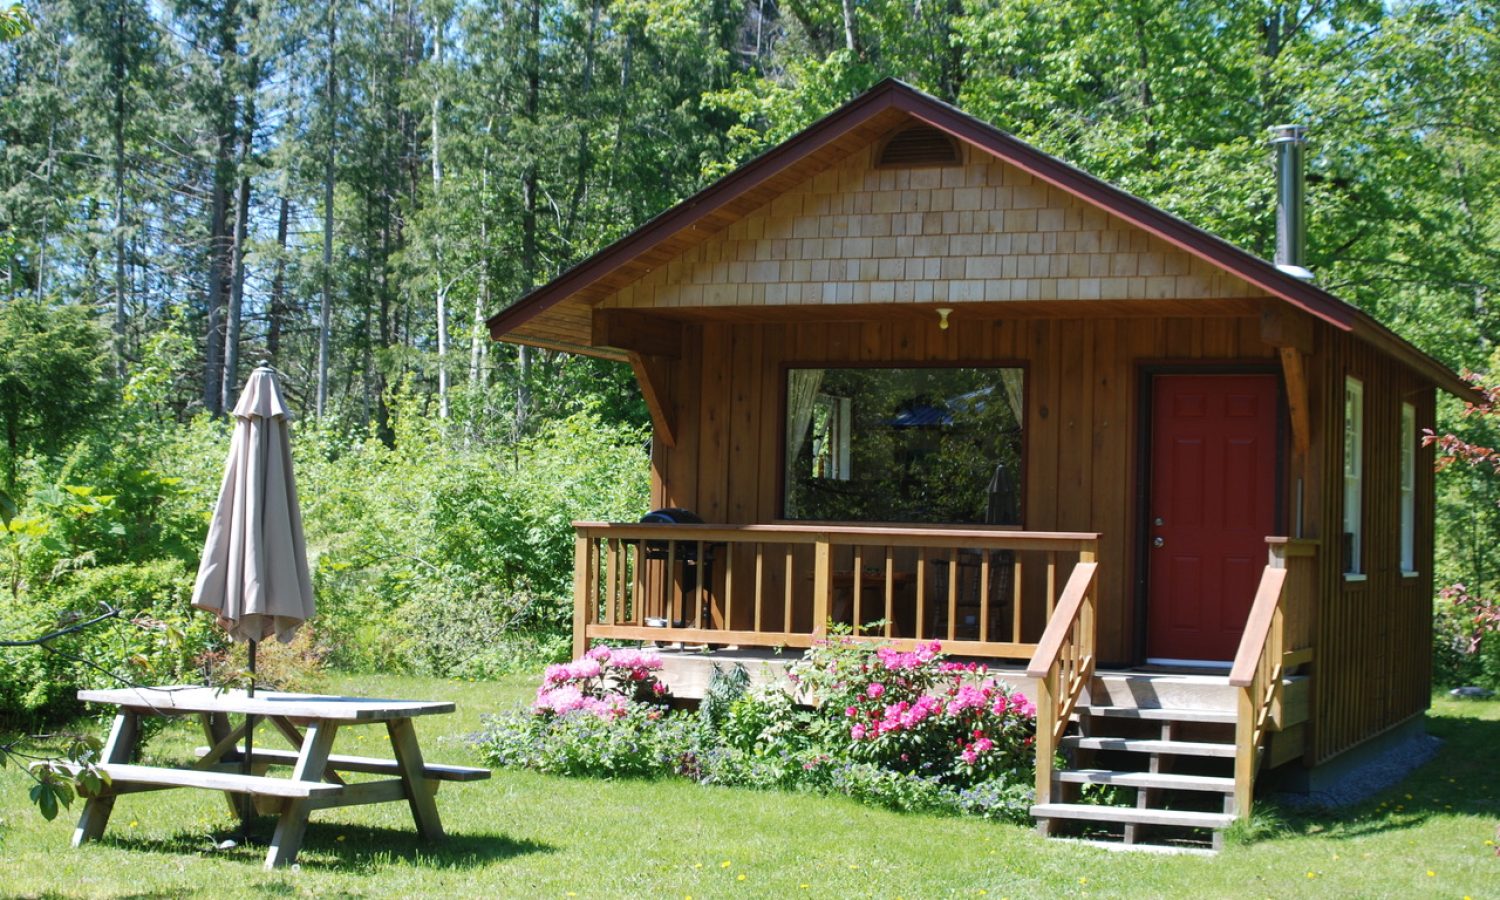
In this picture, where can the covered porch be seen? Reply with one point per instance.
(1024, 603)
(984, 592)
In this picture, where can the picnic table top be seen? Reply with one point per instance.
(195, 699)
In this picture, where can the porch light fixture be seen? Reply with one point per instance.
(943, 312)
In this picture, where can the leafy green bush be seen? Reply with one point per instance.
(1458, 658)
(156, 640)
(900, 729)
(455, 559)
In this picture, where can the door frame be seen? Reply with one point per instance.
(1140, 520)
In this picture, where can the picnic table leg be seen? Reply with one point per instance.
(317, 743)
(418, 792)
(118, 749)
(216, 729)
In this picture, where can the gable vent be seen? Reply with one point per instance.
(919, 145)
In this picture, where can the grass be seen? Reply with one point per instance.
(525, 835)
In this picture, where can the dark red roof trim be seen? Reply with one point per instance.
(892, 94)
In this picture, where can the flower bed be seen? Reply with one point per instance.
(908, 730)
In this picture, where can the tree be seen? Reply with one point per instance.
(1472, 445)
(52, 376)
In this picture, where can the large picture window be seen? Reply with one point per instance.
(921, 444)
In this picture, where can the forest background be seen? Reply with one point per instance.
(346, 189)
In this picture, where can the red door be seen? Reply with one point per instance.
(1213, 502)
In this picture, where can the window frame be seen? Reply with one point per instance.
(1354, 477)
(787, 365)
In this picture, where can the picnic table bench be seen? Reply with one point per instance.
(309, 723)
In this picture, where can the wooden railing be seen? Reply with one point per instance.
(1277, 639)
(1063, 666)
(779, 585)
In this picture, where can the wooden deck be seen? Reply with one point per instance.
(678, 588)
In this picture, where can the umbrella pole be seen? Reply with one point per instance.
(249, 803)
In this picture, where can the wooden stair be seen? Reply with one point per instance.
(1177, 760)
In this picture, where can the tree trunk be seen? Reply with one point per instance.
(585, 155)
(241, 223)
(118, 88)
(478, 340)
(439, 23)
(529, 250)
(213, 355)
(851, 36)
(325, 308)
(220, 246)
(277, 311)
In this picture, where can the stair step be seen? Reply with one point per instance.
(1165, 780)
(1131, 815)
(1136, 745)
(1224, 716)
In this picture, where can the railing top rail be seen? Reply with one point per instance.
(1063, 615)
(1291, 546)
(1257, 627)
(910, 536)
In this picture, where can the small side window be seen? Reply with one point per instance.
(1354, 475)
(1408, 488)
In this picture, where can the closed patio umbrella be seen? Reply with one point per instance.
(253, 575)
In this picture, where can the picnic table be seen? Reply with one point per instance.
(309, 723)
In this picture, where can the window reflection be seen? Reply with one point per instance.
(922, 444)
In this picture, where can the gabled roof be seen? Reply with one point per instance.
(859, 122)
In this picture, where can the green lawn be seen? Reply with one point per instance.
(524, 835)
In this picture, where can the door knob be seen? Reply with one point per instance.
(1158, 542)
(1158, 521)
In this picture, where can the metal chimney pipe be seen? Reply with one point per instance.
(1291, 227)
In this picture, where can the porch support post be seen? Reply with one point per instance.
(582, 545)
(1244, 753)
(822, 585)
(1046, 728)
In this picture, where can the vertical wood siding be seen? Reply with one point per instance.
(1081, 430)
(1373, 667)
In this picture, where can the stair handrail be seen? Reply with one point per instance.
(1063, 665)
(1257, 675)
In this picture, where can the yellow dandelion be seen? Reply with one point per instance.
(724, 864)
(854, 865)
(1431, 874)
(1312, 874)
(134, 823)
(740, 877)
(1083, 881)
(697, 865)
(803, 886)
(340, 838)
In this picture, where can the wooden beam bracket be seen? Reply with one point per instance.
(637, 332)
(653, 374)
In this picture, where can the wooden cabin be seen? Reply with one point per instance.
(909, 370)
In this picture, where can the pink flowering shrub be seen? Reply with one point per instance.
(604, 682)
(912, 711)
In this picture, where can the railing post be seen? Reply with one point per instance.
(1244, 752)
(822, 585)
(582, 546)
(1046, 729)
